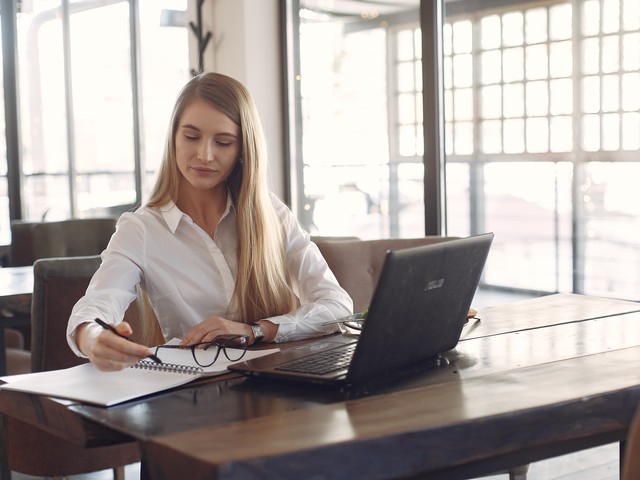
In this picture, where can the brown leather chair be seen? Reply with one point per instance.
(34, 240)
(357, 265)
(66, 238)
(58, 284)
(18, 359)
(17, 354)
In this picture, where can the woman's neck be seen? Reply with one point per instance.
(204, 207)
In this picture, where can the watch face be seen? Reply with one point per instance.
(257, 332)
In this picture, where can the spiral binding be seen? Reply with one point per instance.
(168, 367)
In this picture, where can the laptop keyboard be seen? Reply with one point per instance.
(321, 363)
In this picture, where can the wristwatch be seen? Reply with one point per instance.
(258, 332)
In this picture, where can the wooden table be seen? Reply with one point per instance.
(531, 380)
(16, 289)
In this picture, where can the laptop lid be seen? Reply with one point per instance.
(417, 311)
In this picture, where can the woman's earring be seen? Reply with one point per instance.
(240, 159)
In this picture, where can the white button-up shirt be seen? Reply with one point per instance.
(189, 276)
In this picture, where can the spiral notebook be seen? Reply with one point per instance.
(87, 384)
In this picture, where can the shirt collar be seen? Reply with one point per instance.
(172, 214)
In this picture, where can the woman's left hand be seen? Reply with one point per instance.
(212, 327)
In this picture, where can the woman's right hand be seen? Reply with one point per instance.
(106, 350)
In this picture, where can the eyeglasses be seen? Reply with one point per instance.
(233, 346)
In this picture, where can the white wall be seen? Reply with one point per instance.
(246, 45)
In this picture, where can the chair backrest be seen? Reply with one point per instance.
(67, 238)
(58, 285)
(357, 263)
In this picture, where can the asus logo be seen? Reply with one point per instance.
(433, 284)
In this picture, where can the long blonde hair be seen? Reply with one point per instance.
(263, 287)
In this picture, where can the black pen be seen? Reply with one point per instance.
(106, 326)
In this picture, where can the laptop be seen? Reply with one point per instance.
(417, 312)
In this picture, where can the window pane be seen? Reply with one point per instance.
(631, 14)
(462, 37)
(44, 155)
(491, 136)
(561, 97)
(590, 17)
(536, 62)
(560, 21)
(514, 100)
(411, 198)
(537, 98)
(464, 138)
(449, 138)
(406, 77)
(490, 32)
(560, 59)
(513, 64)
(631, 91)
(611, 132)
(630, 48)
(610, 54)
(350, 177)
(339, 207)
(447, 73)
(610, 16)
(463, 104)
(536, 25)
(630, 129)
(610, 93)
(97, 145)
(591, 133)
(561, 134)
(102, 105)
(462, 70)
(491, 101)
(163, 34)
(491, 67)
(531, 220)
(512, 29)
(537, 135)
(405, 45)
(447, 39)
(448, 105)
(406, 108)
(513, 136)
(611, 222)
(591, 94)
(591, 56)
(458, 199)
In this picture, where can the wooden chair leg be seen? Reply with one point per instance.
(518, 473)
(118, 473)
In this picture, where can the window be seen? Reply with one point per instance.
(546, 142)
(542, 132)
(97, 80)
(356, 178)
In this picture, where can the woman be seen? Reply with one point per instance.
(214, 251)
